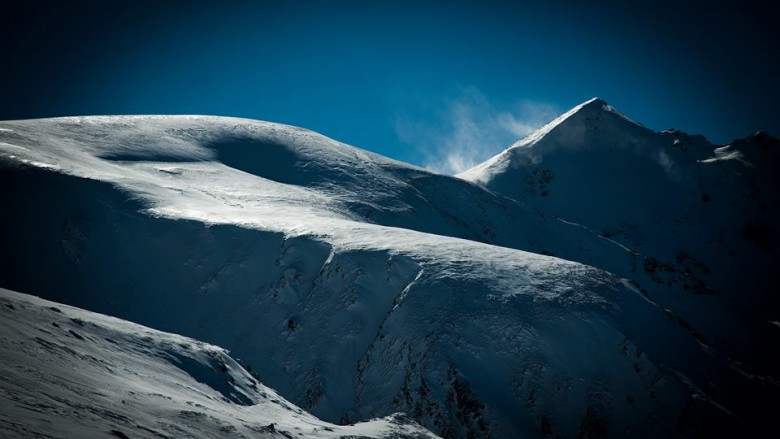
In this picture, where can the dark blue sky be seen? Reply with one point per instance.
(405, 79)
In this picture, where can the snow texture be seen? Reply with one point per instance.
(67, 372)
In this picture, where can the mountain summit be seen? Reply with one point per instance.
(698, 221)
(569, 130)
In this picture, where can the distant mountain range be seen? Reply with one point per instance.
(595, 279)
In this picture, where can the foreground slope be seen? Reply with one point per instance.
(290, 250)
(72, 373)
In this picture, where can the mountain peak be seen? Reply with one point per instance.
(598, 105)
(592, 117)
(593, 102)
(591, 108)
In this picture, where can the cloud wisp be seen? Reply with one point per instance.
(470, 129)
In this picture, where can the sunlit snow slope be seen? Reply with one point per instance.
(70, 373)
(357, 286)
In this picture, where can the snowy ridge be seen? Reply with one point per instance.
(72, 373)
(357, 286)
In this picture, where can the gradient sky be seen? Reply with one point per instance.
(438, 84)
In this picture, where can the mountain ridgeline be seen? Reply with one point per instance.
(595, 279)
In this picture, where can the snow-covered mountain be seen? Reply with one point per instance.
(67, 372)
(358, 287)
(698, 221)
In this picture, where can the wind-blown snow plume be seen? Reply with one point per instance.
(471, 129)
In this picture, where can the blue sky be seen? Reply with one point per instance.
(438, 84)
